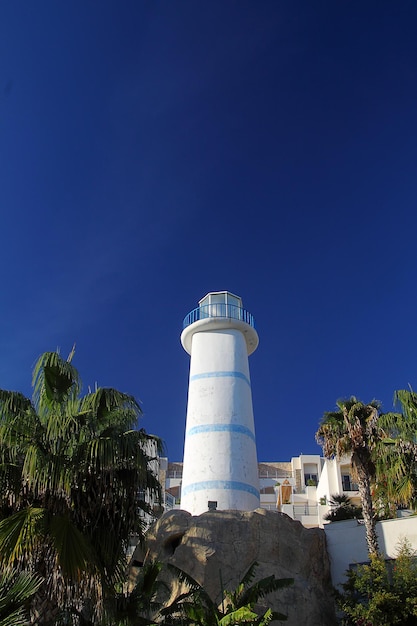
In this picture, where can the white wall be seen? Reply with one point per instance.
(346, 543)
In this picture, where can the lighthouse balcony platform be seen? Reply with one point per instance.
(219, 310)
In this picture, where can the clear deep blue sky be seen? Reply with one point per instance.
(154, 151)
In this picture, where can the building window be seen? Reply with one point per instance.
(310, 480)
(347, 484)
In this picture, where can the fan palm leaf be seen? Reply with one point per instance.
(15, 590)
(20, 534)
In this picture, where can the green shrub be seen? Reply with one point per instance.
(342, 508)
(381, 593)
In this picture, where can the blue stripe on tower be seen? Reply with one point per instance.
(230, 485)
(221, 428)
(220, 374)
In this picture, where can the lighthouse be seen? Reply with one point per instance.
(220, 463)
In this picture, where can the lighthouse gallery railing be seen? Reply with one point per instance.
(220, 309)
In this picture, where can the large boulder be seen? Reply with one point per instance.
(217, 548)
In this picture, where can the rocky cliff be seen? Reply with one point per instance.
(217, 548)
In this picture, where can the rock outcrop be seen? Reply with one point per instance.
(217, 548)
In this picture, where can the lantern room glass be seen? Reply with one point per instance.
(220, 304)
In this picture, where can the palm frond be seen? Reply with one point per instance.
(275, 616)
(63, 423)
(105, 402)
(184, 578)
(13, 403)
(177, 604)
(262, 588)
(71, 354)
(10, 481)
(250, 575)
(391, 423)
(407, 399)
(15, 589)
(54, 380)
(20, 533)
(75, 555)
(110, 551)
(242, 615)
(137, 605)
(195, 606)
(18, 421)
(331, 434)
(148, 582)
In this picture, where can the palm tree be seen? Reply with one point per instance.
(396, 460)
(248, 593)
(342, 508)
(196, 607)
(353, 431)
(73, 472)
(139, 603)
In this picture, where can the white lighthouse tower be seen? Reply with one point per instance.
(220, 463)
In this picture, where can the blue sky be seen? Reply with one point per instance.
(154, 151)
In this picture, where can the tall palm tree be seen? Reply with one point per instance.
(353, 431)
(73, 471)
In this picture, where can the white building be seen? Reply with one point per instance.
(302, 488)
